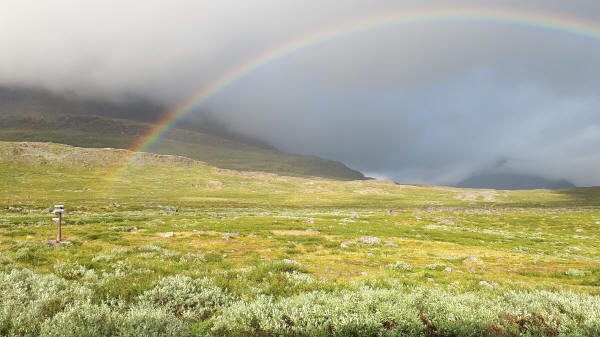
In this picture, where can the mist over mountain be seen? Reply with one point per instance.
(24, 101)
(512, 181)
(42, 116)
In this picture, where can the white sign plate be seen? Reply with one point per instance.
(59, 210)
(55, 219)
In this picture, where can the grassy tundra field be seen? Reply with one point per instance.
(173, 247)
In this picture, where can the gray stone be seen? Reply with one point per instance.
(312, 231)
(390, 244)
(234, 234)
(54, 243)
(132, 229)
(290, 261)
(347, 244)
(448, 269)
(471, 259)
(370, 240)
(370, 254)
(168, 234)
(487, 284)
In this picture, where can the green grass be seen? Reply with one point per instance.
(521, 240)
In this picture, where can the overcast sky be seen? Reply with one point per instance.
(419, 103)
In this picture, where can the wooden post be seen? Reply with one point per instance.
(58, 210)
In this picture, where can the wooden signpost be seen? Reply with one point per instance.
(58, 211)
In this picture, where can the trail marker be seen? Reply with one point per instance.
(58, 210)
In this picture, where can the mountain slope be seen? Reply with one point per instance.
(101, 132)
(31, 172)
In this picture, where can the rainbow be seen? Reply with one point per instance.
(483, 15)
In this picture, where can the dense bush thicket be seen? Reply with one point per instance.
(50, 305)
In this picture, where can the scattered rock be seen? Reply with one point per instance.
(471, 259)
(390, 244)
(114, 204)
(290, 261)
(429, 279)
(329, 270)
(54, 243)
(171, 209)
(312, 231)
(233, 234)
(555, 217)
(355, 216)
(48, 210)
(597, 222)
(14, 209)
(347, 244)
(310, 221)
(167, 234)
(487, 284)
(448, 269)
(364, 273)
(579, 230)
(132, 229)
(391, 212)
(370, 240)
(370, 254)
(225, 238)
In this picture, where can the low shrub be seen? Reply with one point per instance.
(436, 266)
(399, 266)
(183, 296)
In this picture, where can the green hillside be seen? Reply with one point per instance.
(101, 132)
(174, 247)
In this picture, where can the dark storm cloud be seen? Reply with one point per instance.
(415, 103)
